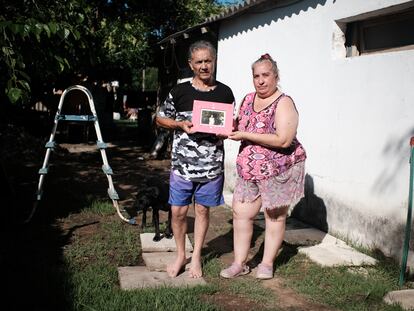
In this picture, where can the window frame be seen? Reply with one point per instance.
(355, 41)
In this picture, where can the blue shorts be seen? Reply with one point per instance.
(208, 193)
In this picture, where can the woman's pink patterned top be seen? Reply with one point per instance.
(255, 162)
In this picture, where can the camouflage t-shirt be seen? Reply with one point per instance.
(199, 156)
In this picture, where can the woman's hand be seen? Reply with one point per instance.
(237, 135)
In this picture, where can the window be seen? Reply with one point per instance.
(382, 33)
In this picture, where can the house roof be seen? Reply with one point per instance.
(230, 12)
(235, 10)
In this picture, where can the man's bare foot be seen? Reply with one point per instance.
(176, 267)
(195, 270)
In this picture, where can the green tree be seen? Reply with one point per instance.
(41, 39)
(38, 42)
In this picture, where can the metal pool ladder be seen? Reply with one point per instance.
(101, 145)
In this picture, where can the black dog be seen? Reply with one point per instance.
(155, 197)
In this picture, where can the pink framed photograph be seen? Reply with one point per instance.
(212, 117)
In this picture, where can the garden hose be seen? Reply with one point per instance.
(409, 218)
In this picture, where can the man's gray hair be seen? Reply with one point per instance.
(201, 45)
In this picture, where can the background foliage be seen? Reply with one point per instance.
(42, 40)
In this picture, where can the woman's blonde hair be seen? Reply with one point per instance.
(268, 58)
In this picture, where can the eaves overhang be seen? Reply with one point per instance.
(230, 12)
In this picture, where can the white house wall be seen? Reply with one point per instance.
(356, 114)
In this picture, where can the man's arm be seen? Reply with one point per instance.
(173, 124)
(166, 117)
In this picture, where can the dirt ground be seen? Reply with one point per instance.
(75, 173)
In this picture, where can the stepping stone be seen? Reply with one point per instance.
(165, 245)
(293, 224)
(157, 261)
(309, 236)
(330, 255)
(139, 277)
(328, 251)
(405, 298)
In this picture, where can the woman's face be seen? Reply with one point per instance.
(264, 79)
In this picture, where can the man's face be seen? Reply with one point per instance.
(202, 64)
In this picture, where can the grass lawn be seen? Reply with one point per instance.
(92, 258)
(67, 257)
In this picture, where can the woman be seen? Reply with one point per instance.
(270, 166)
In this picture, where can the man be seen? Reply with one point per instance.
(197, 172)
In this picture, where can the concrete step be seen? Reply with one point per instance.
(158, 261)
(325, 249)
(140, 277)
(331, 255)
(306, 236)
(164, 245)
(404, 298)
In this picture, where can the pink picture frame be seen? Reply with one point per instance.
(212, 117)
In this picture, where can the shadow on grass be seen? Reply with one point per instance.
(34, 270)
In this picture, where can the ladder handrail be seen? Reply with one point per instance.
(101, 146)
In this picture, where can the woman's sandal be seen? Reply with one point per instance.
(264, 272)
(234, 270)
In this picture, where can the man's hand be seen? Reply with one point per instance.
(185, 126)
(222, 136)
(171, 124)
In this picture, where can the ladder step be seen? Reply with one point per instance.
(113, 194)
(50, 144)
(39, 195)
(101, 145)
(43, 170)
(107, 170)
(75, 117)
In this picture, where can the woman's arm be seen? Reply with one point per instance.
(286, 119)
